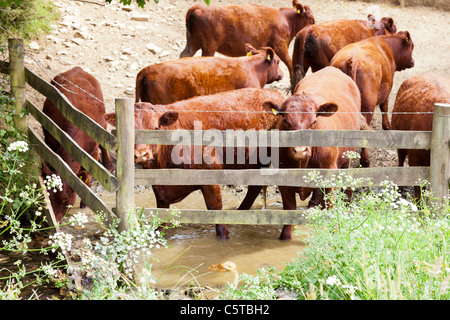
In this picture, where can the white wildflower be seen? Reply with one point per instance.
(333, 280)
(78, 220)
(20, 146)
(61, 239)
(53, 182)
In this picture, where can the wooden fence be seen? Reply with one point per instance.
(125, 137)
(19, 76)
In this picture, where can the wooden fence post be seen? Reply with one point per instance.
(17, 78)
(125, 162)
(440, 152)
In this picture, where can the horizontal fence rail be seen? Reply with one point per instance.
(100, 173)
(82, 190)
(322, 138)
(402, 176)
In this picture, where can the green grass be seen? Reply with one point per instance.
(26, 19)
(376, 248)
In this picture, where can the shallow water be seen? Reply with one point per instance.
(193, 248)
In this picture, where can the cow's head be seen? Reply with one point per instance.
(303, 17)
(268, 62)
(387, 26)
(146, 117)
(62, 199)
(403, 53)
(300, 112)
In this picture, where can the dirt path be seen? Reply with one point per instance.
(114, 43)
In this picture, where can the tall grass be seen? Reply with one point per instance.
(378, 247)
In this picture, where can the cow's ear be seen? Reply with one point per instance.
(326, 109)
(407, 37)
(250, 50)
(168, 118)
(297, 5)
(271, 107)
(84, 176)
(390, 22)
(269, 54)
(111, 118)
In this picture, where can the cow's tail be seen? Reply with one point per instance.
(298, 56)
(139, 84)
(351, 65)
(187, 50)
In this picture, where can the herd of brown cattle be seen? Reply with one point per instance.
(353, 64)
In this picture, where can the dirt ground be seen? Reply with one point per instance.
(114, 43)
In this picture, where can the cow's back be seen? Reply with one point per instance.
(419, 94)
(85, 94)
(332, 85)
(240, 109)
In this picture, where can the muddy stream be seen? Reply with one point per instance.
(193, 247)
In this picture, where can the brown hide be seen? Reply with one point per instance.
(327, 99)
(372, 63)
(237, 110)
(85, 94)
(226, 29)
(315, 45)
(181, 79)
(418, 94)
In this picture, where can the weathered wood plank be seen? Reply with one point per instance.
(402, 176)
(440, 152)
(100, 173)
(125, 162)
(17, 78)
(395, 139)
(268, 217)
(86, 124)
(83, 191)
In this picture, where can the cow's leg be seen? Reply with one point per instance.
(250, 197)
(282, 51)
(401, 156)
(106, 159)
(86, 178)
(289, 203)
(213, 200)
(208, 52)
(368, 104)
(384, 117)
(316, 198)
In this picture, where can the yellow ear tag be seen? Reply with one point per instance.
(268, 57)
(274, 111)
(249, 54)
(298, 11)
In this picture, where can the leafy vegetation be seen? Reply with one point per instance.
(26, 19)
(378, 247)
(141, 3)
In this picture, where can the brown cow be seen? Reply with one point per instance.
(85, 94)
(227, 29)
(413, 110)
(372, 63)
(236, 109)
(327, 99)
(315, 45)
(181, 79)
(201, 107)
